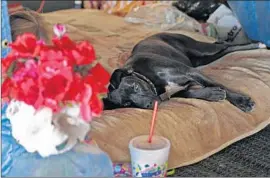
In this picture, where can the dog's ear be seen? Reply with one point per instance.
(116, 78)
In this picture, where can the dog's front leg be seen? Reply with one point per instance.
(175, 83)
(241, 101)
(207, 93)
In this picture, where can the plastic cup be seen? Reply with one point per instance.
(149, 159)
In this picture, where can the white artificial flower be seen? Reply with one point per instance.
(33, 129)
(77, 127)
(41, 131)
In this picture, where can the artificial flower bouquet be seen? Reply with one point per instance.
(52, 91)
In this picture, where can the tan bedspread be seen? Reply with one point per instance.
(196, 128)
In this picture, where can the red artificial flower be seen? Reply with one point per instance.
(50, 103)
(84, 107)
(80, 54)
(87, 53)
(101, 77)
(6, 63)
(64, 43)
(24, 82)
(51, 54)
(90, 80)
(27, 90)
(66, 46)
(6, 88)
(25, 45)
(97, 79)
(47, 76)
(96, 105)
(51, 68)
(55, 80)
(75, 91)
(27, 69)
(52, 92)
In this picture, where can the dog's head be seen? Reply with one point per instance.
(129, 90)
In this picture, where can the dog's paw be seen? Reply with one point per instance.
(246, 104)
(243, 102)
(216, 94)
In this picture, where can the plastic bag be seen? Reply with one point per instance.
(119, 7)
(227, 26)
(164, 17)
(83, 160)
(198, 9)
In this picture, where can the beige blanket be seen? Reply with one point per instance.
(197, 129)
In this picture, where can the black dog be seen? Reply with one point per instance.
(164, 65)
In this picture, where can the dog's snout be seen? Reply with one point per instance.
(151, 104)
(109, 96)
(112, 95)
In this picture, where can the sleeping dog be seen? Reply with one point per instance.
(165, 65)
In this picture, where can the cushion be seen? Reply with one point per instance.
(197, 129)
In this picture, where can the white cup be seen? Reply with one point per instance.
(149, 159)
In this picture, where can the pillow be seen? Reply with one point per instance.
(197, 129)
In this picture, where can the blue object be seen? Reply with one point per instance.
(254, 17)
(5, 29)
(10, 148)
(82, 161)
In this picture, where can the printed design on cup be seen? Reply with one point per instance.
(150, 170)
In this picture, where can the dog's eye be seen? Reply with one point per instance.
(127, 104)
(136, 87)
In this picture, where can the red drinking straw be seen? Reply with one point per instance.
(153, 122)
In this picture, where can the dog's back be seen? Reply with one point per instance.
(184, 49)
